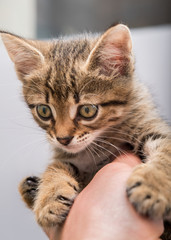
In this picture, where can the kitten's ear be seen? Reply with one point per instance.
(23, 53)
(112, 54)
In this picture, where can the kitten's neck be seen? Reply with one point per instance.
(93, 158)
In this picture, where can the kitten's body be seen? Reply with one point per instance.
(95, 72)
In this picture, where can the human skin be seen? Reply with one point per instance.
(102, 211)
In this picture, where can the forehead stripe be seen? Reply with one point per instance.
(114, 102)
(76, 97)
(47, 96)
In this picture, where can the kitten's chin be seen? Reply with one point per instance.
(72, 149)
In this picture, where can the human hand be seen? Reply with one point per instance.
(102, 210)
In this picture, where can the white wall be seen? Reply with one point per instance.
(152, 47)
(23, 148)
(19, 17)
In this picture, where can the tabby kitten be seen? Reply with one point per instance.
(83, 92)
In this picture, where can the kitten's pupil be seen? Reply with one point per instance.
(87, 110)
(44, 110)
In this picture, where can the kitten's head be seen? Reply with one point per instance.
(75, 87)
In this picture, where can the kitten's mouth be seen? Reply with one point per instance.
(73, 148)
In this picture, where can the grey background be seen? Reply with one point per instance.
(67, 16)
(23, 147)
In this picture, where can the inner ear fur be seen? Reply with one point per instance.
(23, 53)
(112, 54)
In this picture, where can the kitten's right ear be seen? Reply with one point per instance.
(26, 57)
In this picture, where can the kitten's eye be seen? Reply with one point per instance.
(44, 112)
(88, 111)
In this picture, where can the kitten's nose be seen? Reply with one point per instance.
(65, 140)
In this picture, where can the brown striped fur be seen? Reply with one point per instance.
(92, 69)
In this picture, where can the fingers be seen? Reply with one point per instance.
(128, 159)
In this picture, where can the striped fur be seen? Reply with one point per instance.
(92, 69)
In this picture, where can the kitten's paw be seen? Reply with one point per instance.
(147, 193)
(28, 189)
(54, 213)
(52, 209)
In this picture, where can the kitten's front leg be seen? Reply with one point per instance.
(149, 186)
(57, 190)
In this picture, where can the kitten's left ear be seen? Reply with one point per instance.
(112, 54)
(23, 53)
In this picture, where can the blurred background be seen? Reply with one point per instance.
(43, 19)
(23, 147)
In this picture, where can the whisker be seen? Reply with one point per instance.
(104, 149)
(122, 133)
(29, 127)
(108, 143)
(16, 117)
(39, 141)
(87, 148)
(120, 151)
(91, 147)
(116, 138)
(29, 144)
(100, 151)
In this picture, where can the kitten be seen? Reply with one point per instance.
(83, 92)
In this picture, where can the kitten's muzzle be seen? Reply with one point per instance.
(65, 140)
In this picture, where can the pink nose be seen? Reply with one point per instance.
(65, 140)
